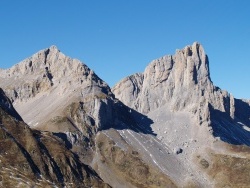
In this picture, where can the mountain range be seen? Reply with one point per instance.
(170, 126)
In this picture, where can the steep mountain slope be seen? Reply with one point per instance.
(37, 159)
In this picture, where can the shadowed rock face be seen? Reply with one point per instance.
(6, 104)
(32, 158)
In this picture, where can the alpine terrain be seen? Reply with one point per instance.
(63, 126)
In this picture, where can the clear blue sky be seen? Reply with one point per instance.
(117, 38)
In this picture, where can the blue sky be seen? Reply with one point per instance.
(117, 38)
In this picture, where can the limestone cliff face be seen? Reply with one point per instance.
(181, 82)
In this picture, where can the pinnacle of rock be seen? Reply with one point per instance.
(53, 48)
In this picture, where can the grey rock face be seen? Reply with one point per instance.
(129, 88)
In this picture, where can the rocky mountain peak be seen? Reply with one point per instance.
(182, 75)
(53, 48)
(187, 67)
(50, 82)
(47, 69)
(181, 83)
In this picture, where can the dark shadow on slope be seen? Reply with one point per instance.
(81, 166)
(64, 137)
(25, 153)
(7, 106)
(56, 168)
(242, 111)
(127, 118)
(143, 123)
(227, 129)
(78, 170)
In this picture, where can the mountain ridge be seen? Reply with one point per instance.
(167, 127)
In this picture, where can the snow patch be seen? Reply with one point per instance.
(246, 128)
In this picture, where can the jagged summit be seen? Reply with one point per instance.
(50, 68)
(181, 74)
(48, 59)
(53, 47)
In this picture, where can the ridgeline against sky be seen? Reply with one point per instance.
(117, 39)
